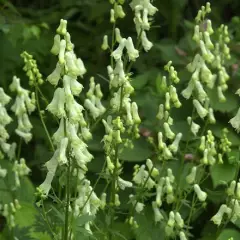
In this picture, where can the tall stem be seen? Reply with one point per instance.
(68, 202)
(42, 120)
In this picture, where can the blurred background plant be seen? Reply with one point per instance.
(30, 25)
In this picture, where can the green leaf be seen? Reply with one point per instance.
(40, 236)
(226, 234)
(141, 80)
(140, 151)
(222, 173)
(26, 215)
(230, 105)
(147, 229)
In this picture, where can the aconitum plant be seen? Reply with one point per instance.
(173, 198)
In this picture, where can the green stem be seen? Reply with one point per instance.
(46, 220)
(94, 186)
(67, 203)
(42, 120)
(191, 211)
(19, 148)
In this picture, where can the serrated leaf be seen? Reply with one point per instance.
(230, 105)
(222, 173)
(140, 151)
(226, 234)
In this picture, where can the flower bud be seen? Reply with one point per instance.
(158, 217)
(174, 146)
(192, 176)
(200, 194)
(56, 45)
(119, 11)
(105, 45)
(168, 132)
(182, 235)
(179, 220)
(117, 201)
(118, 35)
(171, 220)
(135, 115)
(167, 101)
(208, 41)
(160, 114)
(62, 51)
(62, 29)
(196, 36)
(231, 188)
(112, 16)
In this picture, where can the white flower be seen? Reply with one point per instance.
(123, 183)
(56, 107)
(4, 98)
(117, 54)
(81, 68)
(71, 64)
(147, 45)
(158, 217)
(139, 207)
(54, 77)
(88, 104)
(217, 218)
(59, 134)
(133, 53)
(26, 136)
(202, 112)
(62, 159)
(74, 110)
